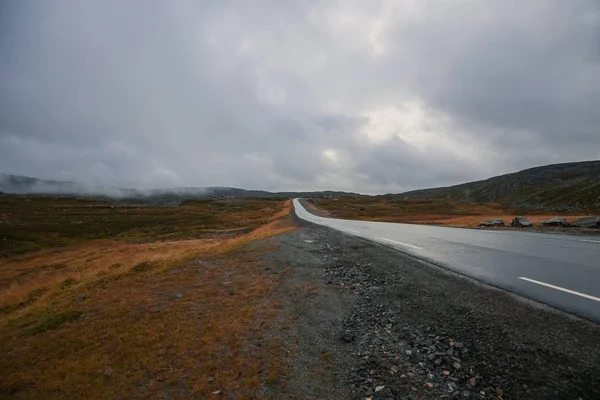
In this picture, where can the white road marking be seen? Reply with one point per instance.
(587, 296)
(352, 230)
(590, 241)
(400, 243)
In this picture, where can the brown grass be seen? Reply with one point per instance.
(437, 212)
(22, 275)
(473, 221)
(30, 224)
(145, 320)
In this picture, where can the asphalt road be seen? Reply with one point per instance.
(559, 270)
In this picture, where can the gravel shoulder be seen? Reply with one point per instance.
(365, 321)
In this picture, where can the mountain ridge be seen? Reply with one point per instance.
(565, 186)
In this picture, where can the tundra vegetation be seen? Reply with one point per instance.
(457, 213)
(101, 299)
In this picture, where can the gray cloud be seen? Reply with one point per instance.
(378, 97)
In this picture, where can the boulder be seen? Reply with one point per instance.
(587, 222)
(521, 222)
(557, 221)
(493, 222)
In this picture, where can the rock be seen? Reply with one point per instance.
(473, 382)
(466, 394)
(211, 379)
(379, 388)
(557, 221)
(217, 392)
(429, 385)
(521, 222)
(348, 336)
(179, 295)
(587, 222)
(493, 222)
(456, 365)
(81, 298)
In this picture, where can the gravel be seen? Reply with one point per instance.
(394, 327)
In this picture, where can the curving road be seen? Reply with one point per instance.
(559, 270)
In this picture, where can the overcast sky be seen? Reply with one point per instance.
(368, 96)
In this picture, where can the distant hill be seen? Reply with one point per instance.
(15, 184)
(570, 186)
(22, 184)
(557, 187)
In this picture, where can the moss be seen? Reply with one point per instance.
(143, 267)
(9, 308)
(67, 282)
(53, 322)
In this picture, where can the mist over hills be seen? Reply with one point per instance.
(15, 184)
(568, 186)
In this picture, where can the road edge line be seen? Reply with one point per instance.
(587, 296)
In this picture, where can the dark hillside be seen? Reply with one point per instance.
(571, 186)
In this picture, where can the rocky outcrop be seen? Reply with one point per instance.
(587, 222)
(557, 221)
(521, 222)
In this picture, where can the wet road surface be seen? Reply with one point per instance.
(559, 270)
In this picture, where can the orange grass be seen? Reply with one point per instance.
(19, 276)
(29, 224)
(472, 221)
(438, 212)
(160, 324)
